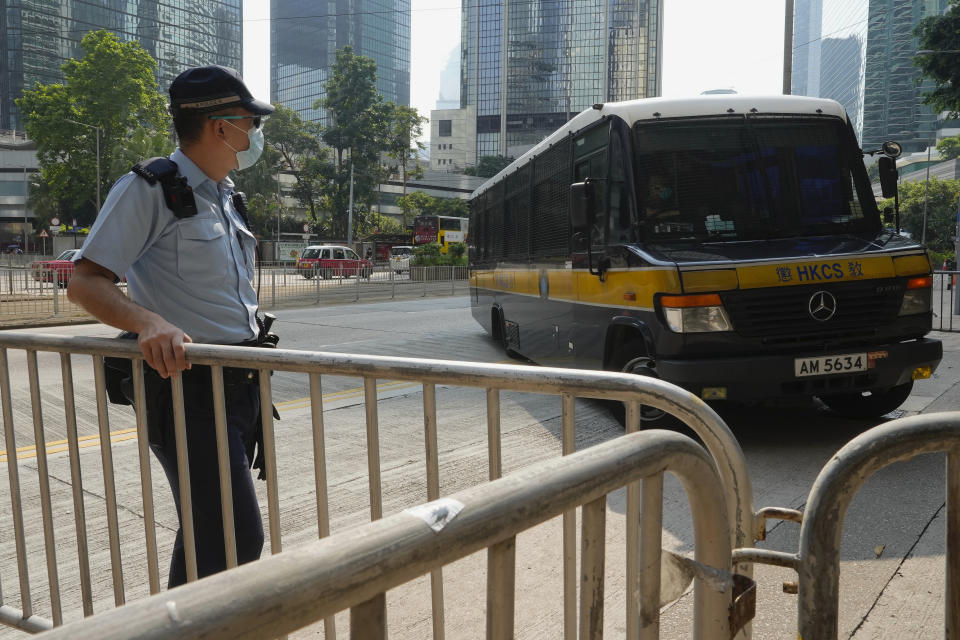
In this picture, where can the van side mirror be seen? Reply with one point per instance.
(888, 214)
(888, 176)
(581, 205)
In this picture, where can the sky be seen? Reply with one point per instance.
(707, 44)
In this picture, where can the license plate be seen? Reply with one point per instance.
(827, 365)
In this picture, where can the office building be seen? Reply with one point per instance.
(527, 66)
(305, 36)
(453, 139)
(40, 35)
(860, 53)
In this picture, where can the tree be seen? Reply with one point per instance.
(941, 33)
(488, 166)
(359, 122)
(949, 148)
(112, 87)
(420, 203)
(456, 207)
(406, 126)
(941, 211)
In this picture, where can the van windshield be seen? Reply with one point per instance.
(401, 251)
(754, 178)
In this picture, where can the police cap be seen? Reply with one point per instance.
(213, 88)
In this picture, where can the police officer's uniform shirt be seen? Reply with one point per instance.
(196, 272)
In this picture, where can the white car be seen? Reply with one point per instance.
(400, 258)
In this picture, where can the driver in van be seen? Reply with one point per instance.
(661, 199)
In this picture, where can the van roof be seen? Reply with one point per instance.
(633, 111)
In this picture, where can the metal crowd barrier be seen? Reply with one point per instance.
(354, 570)
(818, 560)
(27, 294)
(642, 612)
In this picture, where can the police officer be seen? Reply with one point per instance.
(189, 277)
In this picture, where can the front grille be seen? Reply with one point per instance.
(781, 314)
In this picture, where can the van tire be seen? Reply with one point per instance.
(868, 404)
(498, 327)
(631, 357)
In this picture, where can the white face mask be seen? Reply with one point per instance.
(249, 156)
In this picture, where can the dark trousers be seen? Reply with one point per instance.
(243, 411)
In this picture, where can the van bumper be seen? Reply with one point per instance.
(763, 377)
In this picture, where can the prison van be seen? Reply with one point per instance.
(729, 244)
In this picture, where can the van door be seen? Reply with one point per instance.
(591, 161)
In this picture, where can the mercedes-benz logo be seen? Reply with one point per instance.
(822, 306)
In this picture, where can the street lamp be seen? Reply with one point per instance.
(97, 129)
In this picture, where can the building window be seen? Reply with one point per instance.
(446, 128)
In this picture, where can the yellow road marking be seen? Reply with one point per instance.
(121, 435)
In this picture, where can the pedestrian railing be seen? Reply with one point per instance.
(946, 301)
(354, 570)
(28, 295)
(52, 500)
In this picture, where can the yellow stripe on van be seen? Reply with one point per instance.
(912, 265)
(633, 288)
(629, 288)
(817, 271)
(561, 284)
(713, 280)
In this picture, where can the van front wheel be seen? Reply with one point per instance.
(632, 357)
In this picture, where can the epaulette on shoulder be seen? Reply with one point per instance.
(176, 192)
(154, 169)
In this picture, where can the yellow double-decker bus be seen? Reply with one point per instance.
(443, 230)
(729, 244)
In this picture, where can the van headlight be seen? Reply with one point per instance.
(695, 314)
(918, 296)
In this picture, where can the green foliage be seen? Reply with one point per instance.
(456, 207)
(112, 87)
(384, 225)
(428, 255)
(940, 33)
(360, 123)
(457, 250)
(488, 166)
(402, 144)
(419, 203)
(937, 259)
(941, 211)
(949, 148)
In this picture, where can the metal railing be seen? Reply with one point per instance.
(29, 295)
(821, 531)
(945, 301)
(642, 614)
(355, 570)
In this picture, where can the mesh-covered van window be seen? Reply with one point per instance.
(517, 211)
(551, 203)
(748, 179)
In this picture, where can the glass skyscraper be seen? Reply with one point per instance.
(859, 53)
(304, 38)
(40, 35)
(529, 65)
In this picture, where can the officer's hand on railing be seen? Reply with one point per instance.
(162, 346)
